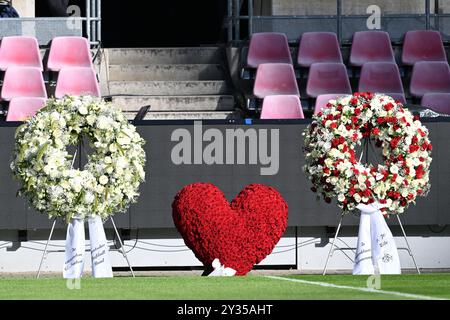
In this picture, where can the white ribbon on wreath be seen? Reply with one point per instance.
(75, 247)
(376, 250)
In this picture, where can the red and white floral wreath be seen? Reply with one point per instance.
(334, 170)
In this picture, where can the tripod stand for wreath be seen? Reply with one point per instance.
(46, 251)
(365, 153)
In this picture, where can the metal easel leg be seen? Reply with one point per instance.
(332, 245)
(123, 248)
(407, 244)
(45, 250)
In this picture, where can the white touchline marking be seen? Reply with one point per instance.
(325, 284)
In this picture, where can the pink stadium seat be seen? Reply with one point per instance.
(439, 102)
(23, 82)
(77, 81)
(382, 77)
(371, 46)
(325, 78)
(318, 47)
(21, 109)
(423, 45)
(20, 51)
(275, 79)
(282, 107)
(268, 47)
(323, 99)
(69, 52)
(430, 76)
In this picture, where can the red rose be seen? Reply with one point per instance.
(413, 148)
(389, 106)
(419, 172)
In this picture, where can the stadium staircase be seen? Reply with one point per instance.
(178, 83)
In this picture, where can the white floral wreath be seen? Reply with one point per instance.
(111, 178)
(331, 163)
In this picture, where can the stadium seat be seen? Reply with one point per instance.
(318, 47)
(323, 99)
(282, 107)
(268, 47)
(439, 102)
(430, 76)
(23, 82)
(382, 77)
(327, 78)
(21, 109)
(77, 81)
(371, 46)
(20, 51)
(69, 52)
(275, 79)
(423, 45)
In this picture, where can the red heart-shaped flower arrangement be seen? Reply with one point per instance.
(240, 234)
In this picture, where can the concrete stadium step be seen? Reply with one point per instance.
(169, 88)
(147, 56)
(175, 103)
(183, 115)
(161, 72)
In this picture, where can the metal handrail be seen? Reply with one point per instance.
(92, 21)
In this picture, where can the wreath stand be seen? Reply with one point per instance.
(367, 143)
(44, 254)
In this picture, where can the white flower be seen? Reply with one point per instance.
(89, 197)
(83, 110)
(123, 139)
(112, 148)
(361, 179)
(394, 169)
(76, 183)
(103, 180)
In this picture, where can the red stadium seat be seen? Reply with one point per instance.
(282, 107)
(77, 81)
(21, 109)
(423, 45)
(430, 76)
(268, 47)
(439, 102)
(20, 51)
(323, 99)
(275, 79)
(23, 82)
(382, 77)
(325, 78)
(69, 52)
(318, 47)
(371, 46)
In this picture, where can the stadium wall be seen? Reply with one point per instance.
(153, 242)
(325, 7)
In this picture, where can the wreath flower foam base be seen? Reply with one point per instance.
(331, 161)
(110, 180)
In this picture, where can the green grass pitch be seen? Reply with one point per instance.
(250, 287)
